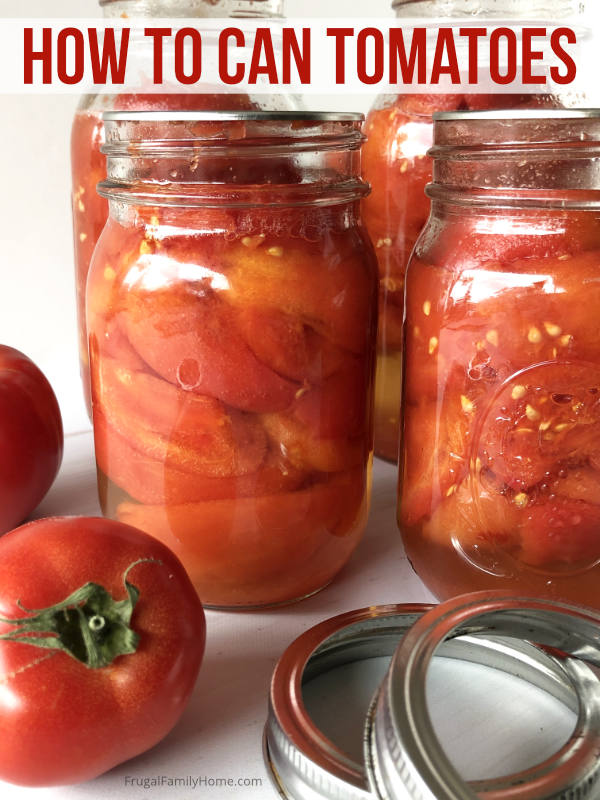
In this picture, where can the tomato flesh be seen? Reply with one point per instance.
(88, 168)
(395, 162)
(502, 346)
(231, 381)
(561, 532)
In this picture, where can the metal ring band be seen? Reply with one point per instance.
(403, 750)
(302, 761)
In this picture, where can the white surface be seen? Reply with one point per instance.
(220, 733)
(498, 724)
(473, 709)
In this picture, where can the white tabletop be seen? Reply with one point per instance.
(220, 733)
(216, 746)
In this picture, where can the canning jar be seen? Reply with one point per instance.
(88, 164)
(500, 455)
(399, 133)
(232, 311)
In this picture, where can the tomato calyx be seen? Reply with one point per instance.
(89, 625)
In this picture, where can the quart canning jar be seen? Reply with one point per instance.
(232, 311)
(88, 164)
(399, 132)
(500, 456)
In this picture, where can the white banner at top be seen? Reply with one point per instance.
(308, 56)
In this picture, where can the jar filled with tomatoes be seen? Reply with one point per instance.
(500, 456)
(88, 164)
(232, 312)
(399, 131)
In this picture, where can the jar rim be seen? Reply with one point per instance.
(190, 141)
(400, 3)
(538, 158)
(244, 116)
(516, 114)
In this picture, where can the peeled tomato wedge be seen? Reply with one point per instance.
(150, 481)
(332, 295)
(533, 234)
(466, 520)
(190, 337)
(560, 534)
(247, 538)
(337, 407)
(182, 429)
(308, 451)
(436, 457)
(288, 345)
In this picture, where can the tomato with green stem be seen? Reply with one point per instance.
(101, 638)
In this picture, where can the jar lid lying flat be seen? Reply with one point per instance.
(403, 756)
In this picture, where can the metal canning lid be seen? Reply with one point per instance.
(218, 116)
(306, 765)
(518, 113)
(403, 753)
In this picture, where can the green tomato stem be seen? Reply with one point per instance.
(89, 625)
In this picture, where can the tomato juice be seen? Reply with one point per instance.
(500, 471)
(399, 133)
(232, 355)
(88, 168)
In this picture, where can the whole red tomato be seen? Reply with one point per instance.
(31, 437)
(104, 670)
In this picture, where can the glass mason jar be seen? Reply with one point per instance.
(231, 312)
(500, 456)
(399, 131)
(88, 164)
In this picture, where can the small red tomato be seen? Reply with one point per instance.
(31, 437)
(103, 667)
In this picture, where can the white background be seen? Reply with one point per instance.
(220, 731)
(37, 296)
